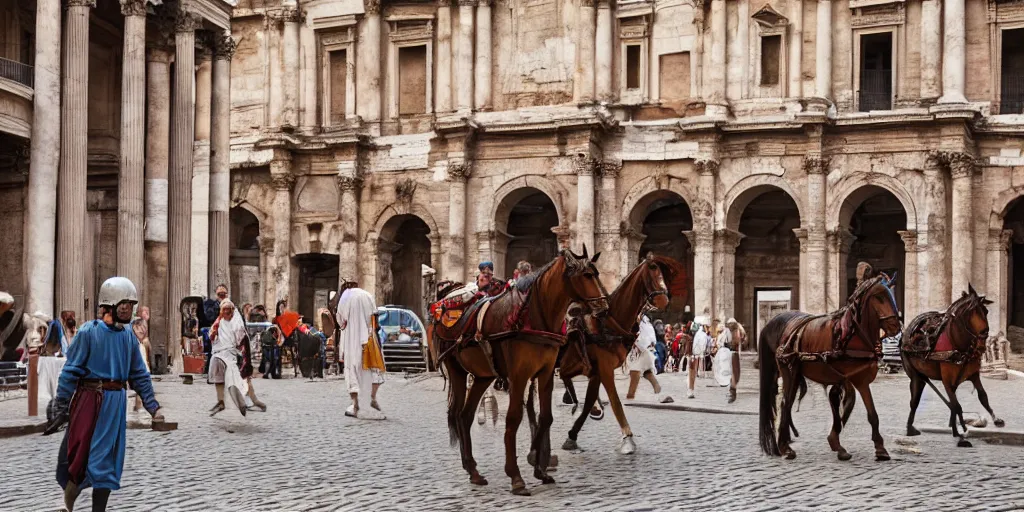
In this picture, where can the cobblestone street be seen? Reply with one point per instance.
(303, 454)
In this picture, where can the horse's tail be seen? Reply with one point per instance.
(768, 342)
(453, 417)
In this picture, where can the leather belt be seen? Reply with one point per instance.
(105, 385)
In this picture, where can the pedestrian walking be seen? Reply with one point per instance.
(640, 362)
(140, 327)
(701, 343)
(227, 333)
(364, 363)
(92, 398)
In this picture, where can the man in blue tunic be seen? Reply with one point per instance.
(92, 398)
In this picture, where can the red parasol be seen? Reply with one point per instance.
(287, 321)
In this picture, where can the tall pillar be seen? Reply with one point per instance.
(838, 243)
(200, 244)
(444, 57)
(290, 76)
(310, 81)
(584, 78)
(130, 182)
(179, 239)
(997, 287)
(936, 256)
(609, 230)
(716, 104)
(931, 49)
(282, 178)
(702, 239)
(823, 51)
(220, 162)
(158, 127)
(482, 79)
(814, 295)
(368, 57)
(801, 238)
(796, 44)
(71, 183)
(603, 52)
(954, 52)
(455, 266)
(464, 57)
(44, 160)
(585, 213)
(726, 242)
(961, 168)
(910, 275)
(349, 182)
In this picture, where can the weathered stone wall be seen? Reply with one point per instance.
(12, 208)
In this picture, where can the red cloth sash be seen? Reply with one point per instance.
(85, 409)
(944, 344)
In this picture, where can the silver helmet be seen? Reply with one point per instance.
(116, 290)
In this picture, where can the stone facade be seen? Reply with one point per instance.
(768, 146)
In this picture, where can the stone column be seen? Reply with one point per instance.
(158, 127)
(220, 162)
(823, 51)
(702, 239)
(282, 178)
(200, 243)
(609, 228)
(796, 44)
(482, 78)
(44, 161)
(290, 78)
(961, 168)
(368, 57)
(801, 238)
(71, 182)
(814, 295)
(954, 52)
(910, 275)
(455, 266)
(716, 104)
(130, 182)
(603, 52)
(839, 243)
(444, 57)
(349, 182)
(726, 242)
(179, 239)
(998, 280)
(464, 57)
(936, 254)
(585, 53)
(931, 49)
(585, 166)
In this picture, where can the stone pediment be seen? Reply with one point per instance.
(768, 17)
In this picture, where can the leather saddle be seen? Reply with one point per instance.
(465, 320)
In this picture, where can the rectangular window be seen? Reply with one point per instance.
(771, 53)
(674, 76)
(633, 66)
(1011, 88)
(412, 80)
(875, 72)
(338, 83)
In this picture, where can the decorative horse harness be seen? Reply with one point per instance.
(931, 335)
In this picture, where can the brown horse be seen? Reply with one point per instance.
(609, 339)
(947, 346)
(524, 325)
(838, 350)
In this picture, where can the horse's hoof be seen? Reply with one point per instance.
(882, 456)
(597, 414)
(790, 455)
(963, 443)
(543, 477)
(911, 431)
(520, 490)
(844, 455)
(531, 458)
(553, 462)
(570, 444)
(628, 447)
(999, 423)
(477, 480)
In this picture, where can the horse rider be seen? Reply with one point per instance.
(92, 398)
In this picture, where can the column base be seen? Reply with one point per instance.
(716, 110)
(953, 98)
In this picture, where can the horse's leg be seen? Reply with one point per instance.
(955, 412)
(849, 400)
(456, 402)
(789, 390)
(607, 374)
(869, 403)
(542, 437)
(516, 389)
(835, 397)
(917, 382)
(480, 385)
(593, 386)
(983, 398)
(531, 410)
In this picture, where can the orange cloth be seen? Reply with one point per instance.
(288, 322)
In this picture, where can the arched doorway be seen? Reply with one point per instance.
(402, 248)
(1014, 221)
(663, 217)
(767, 278)
(318, 277)
(244, 259)
(874, 216)
(529, 227)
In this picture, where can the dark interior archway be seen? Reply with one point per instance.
(768, 255)
(529, 228)
(663, 217)
(1014, 221)
(244, 259)
(875, 224)
(318, 277)
(403, 247)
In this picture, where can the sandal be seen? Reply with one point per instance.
(217, 408)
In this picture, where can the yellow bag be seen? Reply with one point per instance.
(373, 356)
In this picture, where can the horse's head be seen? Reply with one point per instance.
(971, 312)
(878, 296)
(653, 280)
(583, 285)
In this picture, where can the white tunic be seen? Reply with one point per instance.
(354, 310)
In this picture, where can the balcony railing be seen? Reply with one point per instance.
(875, 90)
(1011, 97)
(13, 70)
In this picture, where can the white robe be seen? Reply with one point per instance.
(641, 359)
(229, 335)
(354, 310)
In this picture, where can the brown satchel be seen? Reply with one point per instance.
(373, 356)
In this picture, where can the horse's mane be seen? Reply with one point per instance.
(524, 283)
(667, 266)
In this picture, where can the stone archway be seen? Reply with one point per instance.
(403, 245)
(244, 261)
(657, 223)
(530, 221)
(874, 217)
(1013, 228)
(318, 277)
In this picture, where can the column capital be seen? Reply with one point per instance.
(444, 3)
(707, 166)
(349, 183)
(293, 15)
(909, 238)
(185, 21)
(371, 6)
(563, 234)
(816, 164)
(610, 169)
(999, 239)
(728, 240)
(204, 46)
(628, 231)
(801, 236)
(840, 240)
(605, 4)
(961, 165)
(700, 238)
(459, 171)
(483, 3)
(80, 3)
(133, 7)
(586, 165)
(224, 46)
(936, 160)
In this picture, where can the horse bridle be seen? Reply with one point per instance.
(975, 336)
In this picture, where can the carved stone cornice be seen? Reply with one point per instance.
(185, 21)
(348, 183)
(466, 3)
(700, 238)
(293, 15)
(459, 171)
(444, 3)
(133, 7)
(483, 3)
(936, 160)
(961, 165)
(707, 166)
(79, 3)
(224, 46)
(371, 6)
(585, 165)
(816, 164)
(909, 238)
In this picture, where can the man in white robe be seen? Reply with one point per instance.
(354, 310)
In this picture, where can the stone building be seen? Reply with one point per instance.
(768, 145)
